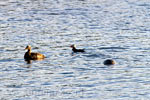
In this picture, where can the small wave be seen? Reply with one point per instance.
(13, 86)
(83, 69)
(6, 60)
(66, 73)
(112, 48)
(12, 50)
(18, 20)
(88, 85)
(95, 55)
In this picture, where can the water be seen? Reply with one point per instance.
(117, 29)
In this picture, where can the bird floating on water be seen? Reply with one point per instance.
(109, 62)
(31, 55)
(76, 50)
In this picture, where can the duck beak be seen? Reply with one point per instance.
(26, 48)
(71, 46)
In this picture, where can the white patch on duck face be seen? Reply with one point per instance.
(29, 46)
(73, 45)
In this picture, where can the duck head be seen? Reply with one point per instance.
(73, 46)
(28, 47)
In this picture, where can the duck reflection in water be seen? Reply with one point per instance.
(28, 61)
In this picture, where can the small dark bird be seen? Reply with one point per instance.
(76, 50)
(31, 55)
(109, 62)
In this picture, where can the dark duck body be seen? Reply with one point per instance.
(31, 55)
(76, 50)
(109, 62)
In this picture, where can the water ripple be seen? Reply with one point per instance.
(116, 29)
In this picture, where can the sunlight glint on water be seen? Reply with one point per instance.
(117, 29)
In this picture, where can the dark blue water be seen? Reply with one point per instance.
(117, 29)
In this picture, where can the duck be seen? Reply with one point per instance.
(31, 55)
(76, 50)
(109, 62)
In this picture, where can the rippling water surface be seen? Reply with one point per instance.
(117, 29)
